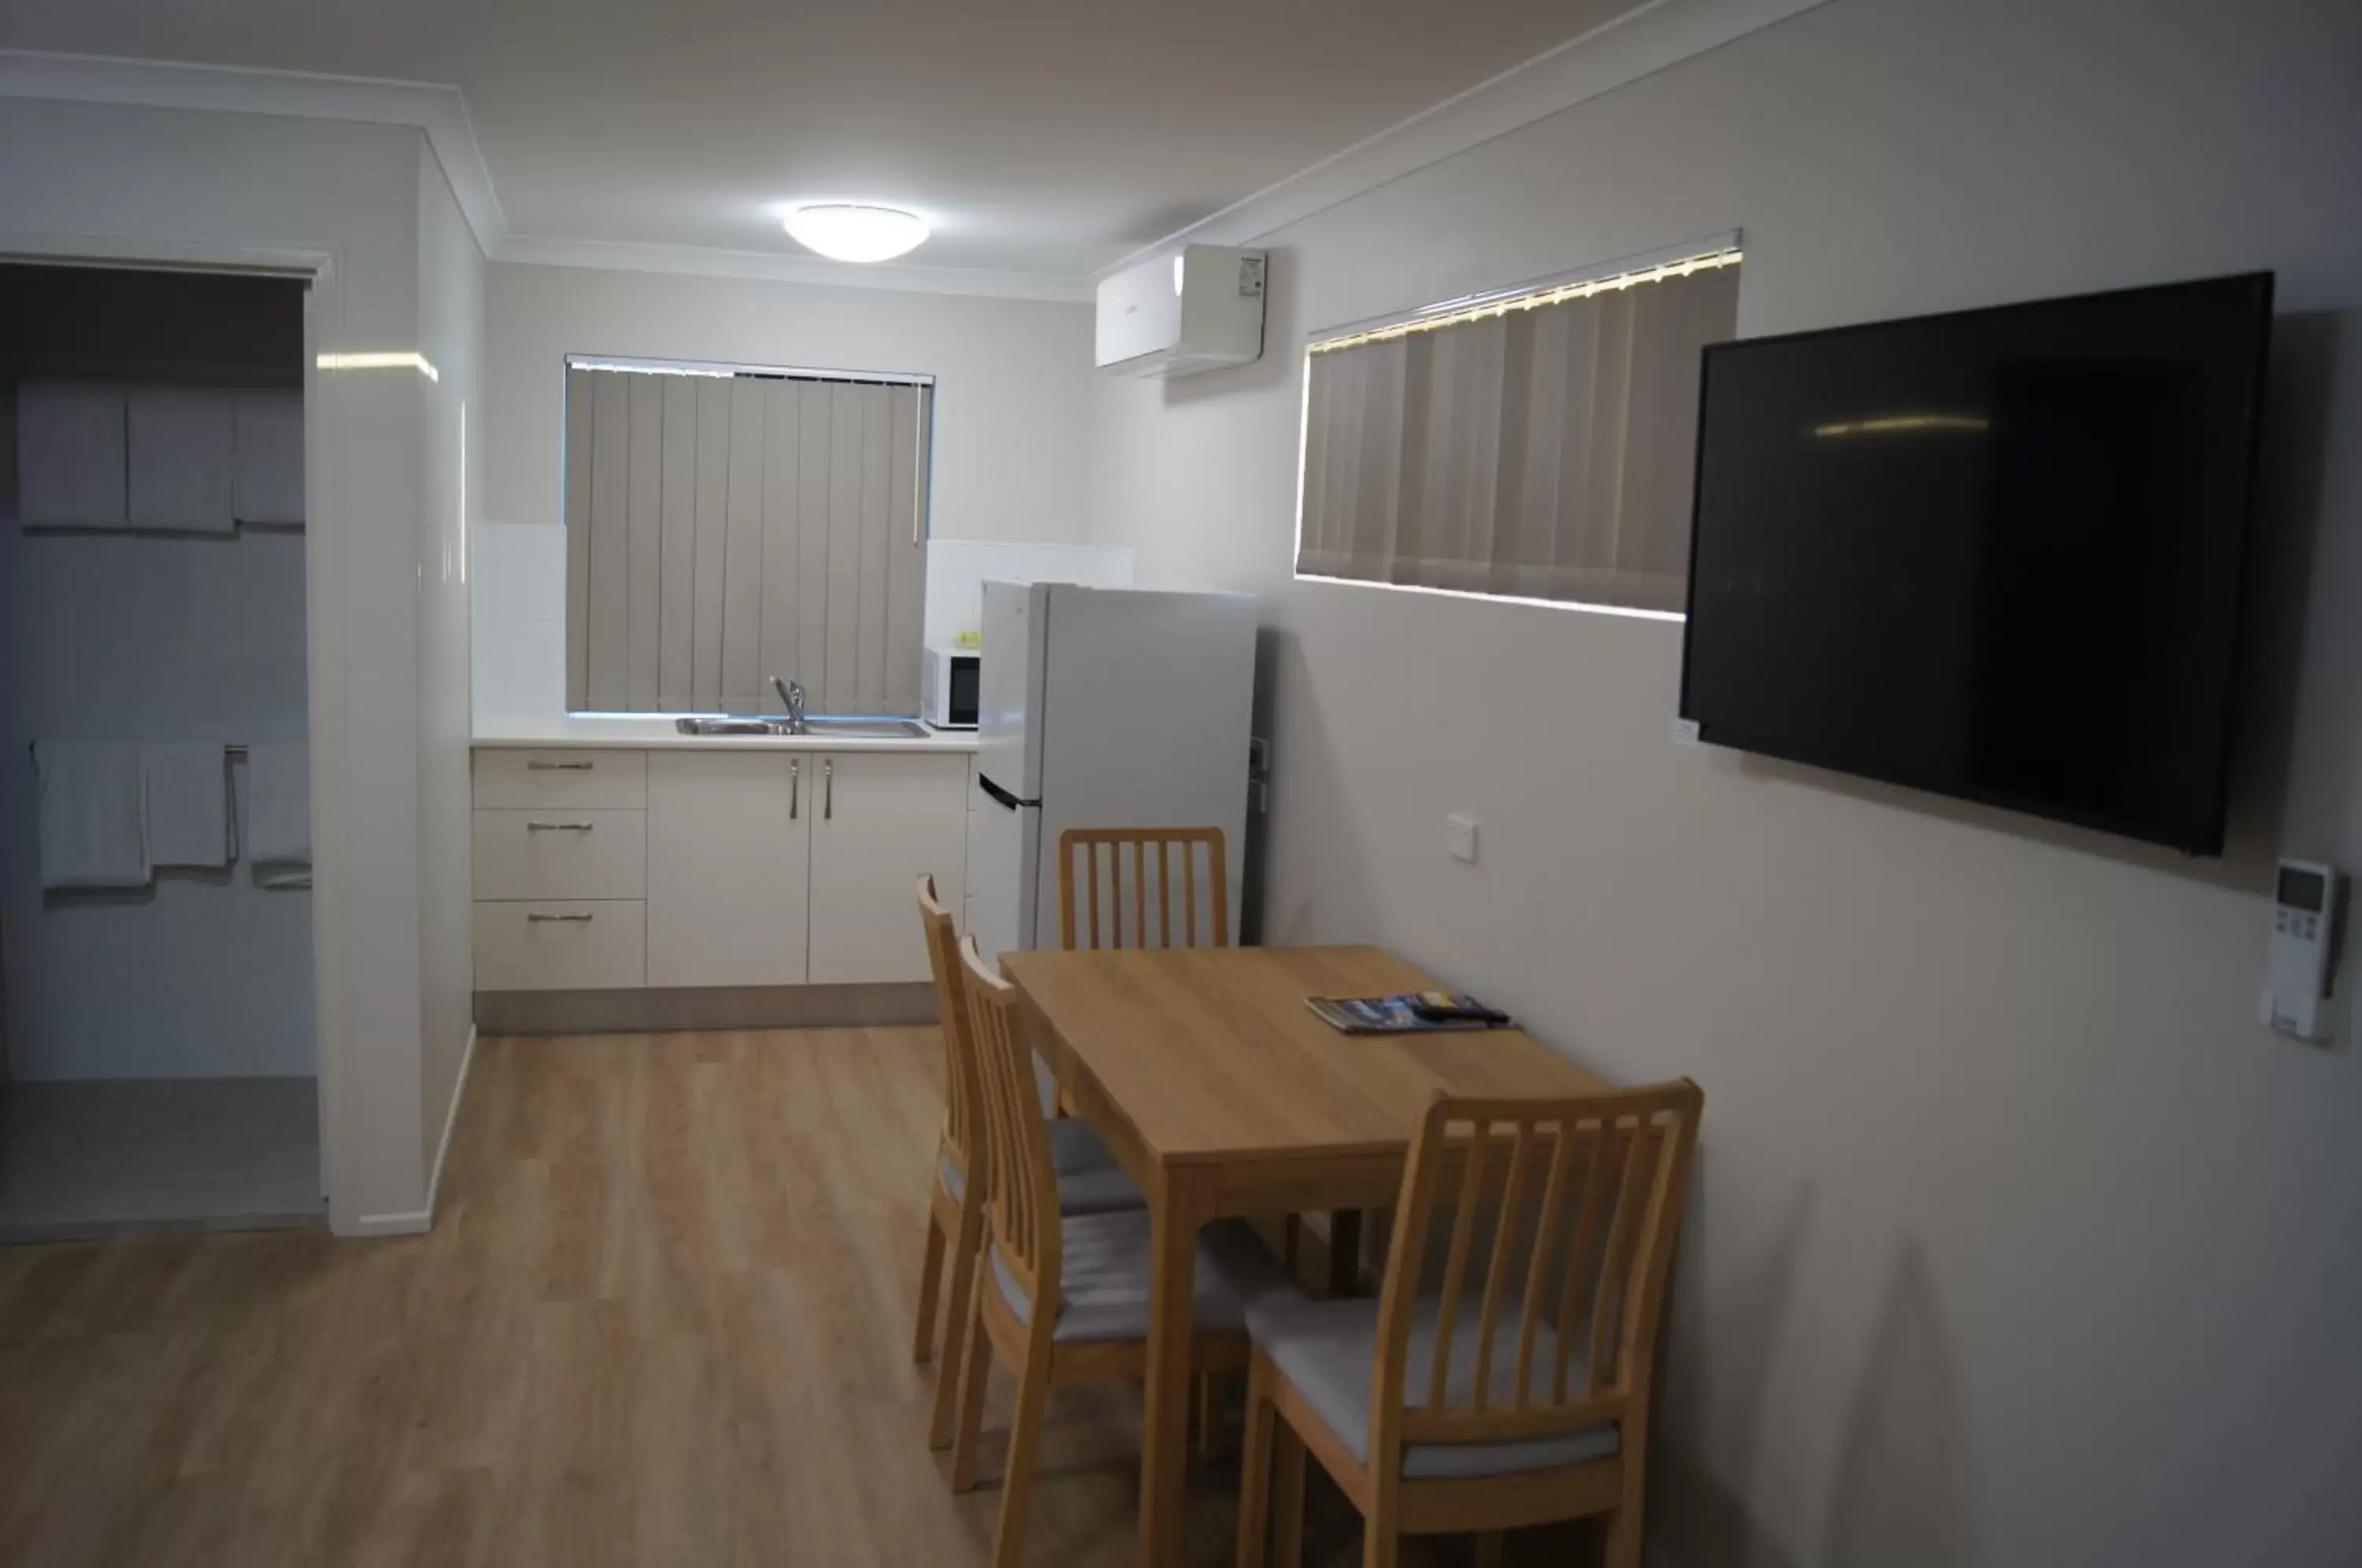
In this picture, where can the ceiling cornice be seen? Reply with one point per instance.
(1638, 43)
(1659, 34)
(765, 266)
(439, 111)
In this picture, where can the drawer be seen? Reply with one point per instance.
(561, 776)
(561, 852)
(548, 945)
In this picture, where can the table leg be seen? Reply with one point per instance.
(1344, 1252)
(1175, 1218)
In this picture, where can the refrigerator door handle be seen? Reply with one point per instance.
(1002, 797)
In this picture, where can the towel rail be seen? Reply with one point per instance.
(235, 748)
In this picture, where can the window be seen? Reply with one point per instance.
(1538, 444)
(725, 526)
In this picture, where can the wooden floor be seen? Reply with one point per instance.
(663, 1318)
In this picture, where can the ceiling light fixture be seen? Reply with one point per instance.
(844, 232)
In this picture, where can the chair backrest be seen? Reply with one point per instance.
(1023, 1203)
(1537, 1232)
(1139, 873)
(963, 1124)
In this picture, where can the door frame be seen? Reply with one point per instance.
(327, 526)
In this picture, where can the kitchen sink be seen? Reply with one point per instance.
(869, 729)
(822, 728)
(733, 726)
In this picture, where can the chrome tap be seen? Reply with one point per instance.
(791, 692)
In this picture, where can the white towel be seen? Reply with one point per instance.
(279, 813)
(184, 460)
(187, 786)
(270, 439)
(93, 833)
(70, 455)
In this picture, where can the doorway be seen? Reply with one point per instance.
(157, 1004)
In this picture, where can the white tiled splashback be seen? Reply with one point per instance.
(518, 602)
(958, 570)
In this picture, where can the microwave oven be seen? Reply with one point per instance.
(947, 687)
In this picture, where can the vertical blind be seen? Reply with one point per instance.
(722, 529)
(1538, 446)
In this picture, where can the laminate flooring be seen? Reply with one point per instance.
(663, 1318)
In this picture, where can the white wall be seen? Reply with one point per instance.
(1013, 394)
(451, 335)
(2017, 1242)
(117, 637)
(87, 179)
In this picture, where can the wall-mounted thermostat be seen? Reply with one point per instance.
(2304, 921)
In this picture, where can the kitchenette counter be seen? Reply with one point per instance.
(658, 735)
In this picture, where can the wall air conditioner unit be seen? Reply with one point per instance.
(1197, 309)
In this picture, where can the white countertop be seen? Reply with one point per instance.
(658, 735)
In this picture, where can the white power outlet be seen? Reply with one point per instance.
(1459, 837)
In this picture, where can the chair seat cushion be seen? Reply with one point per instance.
(1089, 1181)
(1104, 1269)
(1328, 1350)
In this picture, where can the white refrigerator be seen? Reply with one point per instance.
(1102, 707)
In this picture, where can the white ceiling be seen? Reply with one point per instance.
(1043, 137)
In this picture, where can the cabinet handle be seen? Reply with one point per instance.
(539, 767)
(795, 785)
(538, 918)
(559, 827)
(828, 782)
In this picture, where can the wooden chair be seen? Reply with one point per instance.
(1515, 1391)
(1065, 1298)
(1152, 896)
(1148, 896)
(1089, 1178)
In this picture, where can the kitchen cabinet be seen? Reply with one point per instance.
(572, 852)
(561, 777)
(885, 818)
(730, 847)
(694, 868)
(581, 945)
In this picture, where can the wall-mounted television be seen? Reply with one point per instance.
(1994, 554)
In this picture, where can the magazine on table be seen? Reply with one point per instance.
(1407, 1012)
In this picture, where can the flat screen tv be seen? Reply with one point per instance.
(1994, 554)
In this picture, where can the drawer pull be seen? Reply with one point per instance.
(828, 779)
(559, 827)
(536, 919)
(537, 766)
(795, 784)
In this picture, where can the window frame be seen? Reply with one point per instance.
(1724, 248)
(924, 383)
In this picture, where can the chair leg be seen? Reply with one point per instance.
(1287, 1498)
(975, 1362)
(1379, 1540)
(1620, 1540)
(957, 1310)
(1621, 1531)
(1017, 1475)
(1255, 1468)
(1489, 1548)
(1209, 1428)
(931, 1278)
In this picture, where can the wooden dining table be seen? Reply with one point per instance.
(1222, 1095)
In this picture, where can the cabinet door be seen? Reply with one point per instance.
(729, 864)
(884, 818)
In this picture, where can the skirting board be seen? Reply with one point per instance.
(419, 1219)
(720, 1007)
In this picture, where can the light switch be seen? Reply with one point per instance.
(1459, 837)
